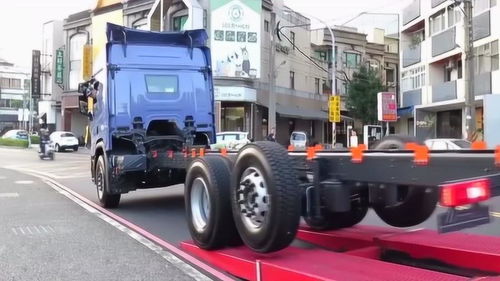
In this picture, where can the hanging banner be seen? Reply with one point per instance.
(59, 67)
(235, 38)
(35, 74)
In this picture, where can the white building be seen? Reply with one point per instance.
(14, 96)
(432, 83)
(49, 104)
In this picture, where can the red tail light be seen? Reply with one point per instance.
(464, 193)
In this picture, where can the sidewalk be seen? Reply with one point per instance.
(46, 236)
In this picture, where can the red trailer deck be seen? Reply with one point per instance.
(365, 253)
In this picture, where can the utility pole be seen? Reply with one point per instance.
(271, 122)
(470, 107)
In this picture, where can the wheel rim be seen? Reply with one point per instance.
(99, 181)
(200, 204)
(253, 199)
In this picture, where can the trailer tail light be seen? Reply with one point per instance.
(464, 193)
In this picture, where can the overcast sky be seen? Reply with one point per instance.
(21, 20)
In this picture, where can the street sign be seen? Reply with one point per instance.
(59, 66)
(87, 62)
(35, 74)
(387, 107)
(334, 109)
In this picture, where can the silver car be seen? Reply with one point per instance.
(447, 144)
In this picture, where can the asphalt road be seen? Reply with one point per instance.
(46, 236)
(160, 211)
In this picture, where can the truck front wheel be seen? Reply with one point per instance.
(102, 181)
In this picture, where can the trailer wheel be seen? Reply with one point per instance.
(265, 197)
(102, 181)
(335, 220)
(415, 206)
(208, 207)
(395, 142)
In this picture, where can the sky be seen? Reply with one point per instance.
(21, 20)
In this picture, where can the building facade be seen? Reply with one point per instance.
(51, 78)
(14, 96)
(432, 79)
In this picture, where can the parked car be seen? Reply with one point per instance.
(299, 139)
(16, 135)
(230, 140)
(64, 140)
(447, 144)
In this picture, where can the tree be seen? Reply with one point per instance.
(362, 95)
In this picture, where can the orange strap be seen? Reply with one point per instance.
(223, 152)
(357, 153)
(479, 145)
(193, 152)
(421, 153)
(202, 152)
(311, 153)
(291, 148)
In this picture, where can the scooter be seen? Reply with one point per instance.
(48, 152)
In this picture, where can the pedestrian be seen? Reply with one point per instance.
(271, 137)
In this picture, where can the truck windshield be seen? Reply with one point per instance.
(162, 84)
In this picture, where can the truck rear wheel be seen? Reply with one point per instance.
(102, 182)
(208, 207)
(334, 220)
(416, 204)
(265, 197)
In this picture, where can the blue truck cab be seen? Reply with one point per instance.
(153, 94)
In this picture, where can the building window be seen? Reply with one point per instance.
(459, 66)
(316, 86)
(413, 79)
(479, 6)
(76, 43)
(438, 23)
(292, 80)
(141, 24)
(352, 60)
(389, 75)
(15, 83)
(454, 15)
(179, 22)
(292, 38)
(5, 83)
(266, 26)
(486, 59)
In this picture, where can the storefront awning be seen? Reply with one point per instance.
(301, 113)
(405, 111)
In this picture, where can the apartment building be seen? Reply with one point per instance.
(14, 96)
(432, 61)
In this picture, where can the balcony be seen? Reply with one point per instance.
(482, 84)
(444, 42)
(436, 3)
(411, 12)
(481, 26)
(412, 98)
(412, 55)
(444, 91)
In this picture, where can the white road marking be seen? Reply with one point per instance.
(14, 230)
(22, 231)
(9, 195)
(23, 182)
(169, 257)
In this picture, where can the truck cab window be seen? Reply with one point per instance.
(162, 84)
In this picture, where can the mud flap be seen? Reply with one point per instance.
(453, 219)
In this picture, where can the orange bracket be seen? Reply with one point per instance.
(421, 153)
(318, 147)
(193, 152)
(223, 151)
(497, 156)
(291, 148)
(479, 145)
(311, 153)
(202, 152)
(357, 153)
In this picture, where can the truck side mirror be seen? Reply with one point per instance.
(83, 106)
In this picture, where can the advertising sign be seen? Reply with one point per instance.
(222, 93)
(425, 124)
(387, 107)
(334, 109)
(87, 62)
(235, 37)
(59, 66)
(35, 74)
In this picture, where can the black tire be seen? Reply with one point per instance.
(52, 156)
(219, 229)
(395, 142)
(58, 148)
(269, 163)
(102, 180)
(336, 220)
(75, 148)
(416, 206)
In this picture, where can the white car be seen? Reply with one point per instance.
(298, 139)
(64, 140)
(447, 144)
(16, 135)
(230, 140)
